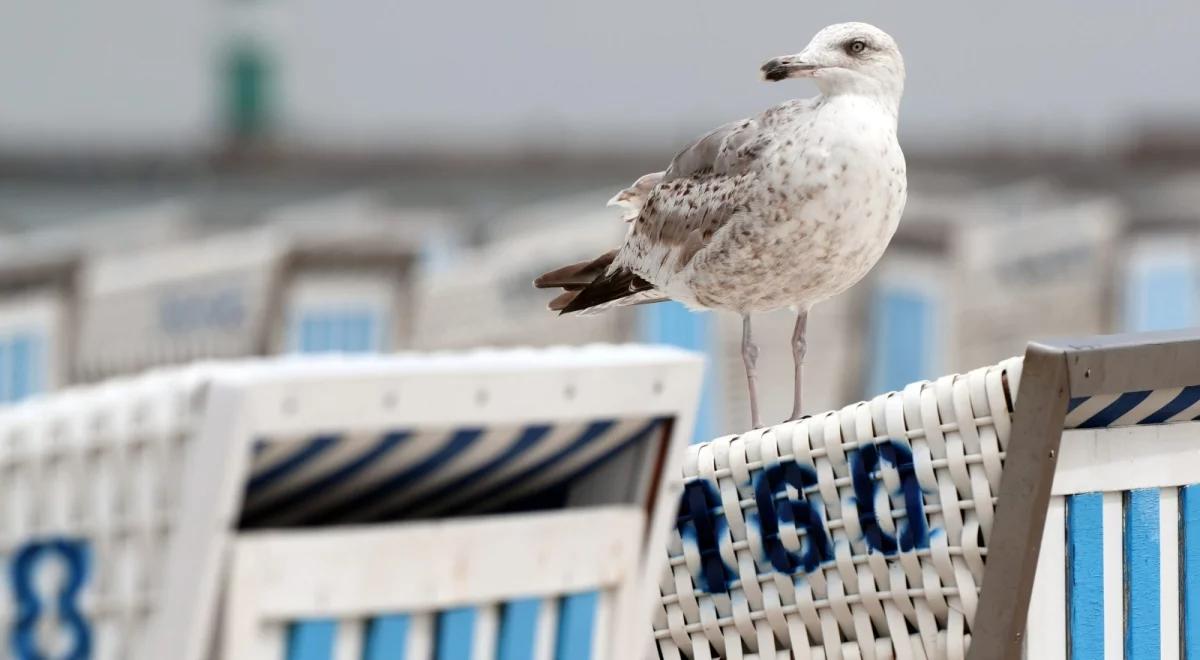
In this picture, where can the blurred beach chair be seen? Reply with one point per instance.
(909, 526)
(127, 506)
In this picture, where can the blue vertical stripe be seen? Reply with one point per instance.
(1162, 295)
(1142, 637)
(19, 372)
(337, 328)
(1085, 575)
(518, 629)
(321, 340)
(4, 360)
(351, 335)
(455, 634)
(1190, 571)
(671, 323)
(311, 640)
(902, 330)
(349, 331)
(387, 638)
(373, 341)
(576, 620)
(37, 365)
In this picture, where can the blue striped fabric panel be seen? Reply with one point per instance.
(311, 640)
(285, 481)
(1157, 407)
(1190, 570)
(331, 479)
(1142, 575)
(387, 638)
(1085, 575)
(281, 470)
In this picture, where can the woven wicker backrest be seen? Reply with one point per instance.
(866, 533)
(856, 533)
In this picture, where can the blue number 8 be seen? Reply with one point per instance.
(75, 559)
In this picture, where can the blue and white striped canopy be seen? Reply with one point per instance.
(339, 478)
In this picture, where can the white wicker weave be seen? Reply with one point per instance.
(775, 548)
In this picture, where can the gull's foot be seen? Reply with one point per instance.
(796, 419)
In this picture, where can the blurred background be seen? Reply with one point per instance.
(218, 178)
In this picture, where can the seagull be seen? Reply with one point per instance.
(787, 208)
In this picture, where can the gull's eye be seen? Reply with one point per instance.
(856, 47)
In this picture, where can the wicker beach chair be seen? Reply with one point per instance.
(318, 507)
(909, 526)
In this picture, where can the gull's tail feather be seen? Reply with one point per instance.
(576, 276)
(589, 287)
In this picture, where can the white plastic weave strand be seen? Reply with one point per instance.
(859, 533)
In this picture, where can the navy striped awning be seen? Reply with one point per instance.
(426, 473)
(1176, 404)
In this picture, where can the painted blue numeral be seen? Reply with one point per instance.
(698, 523)
(801, 513)
(73, 556)
(914, 533)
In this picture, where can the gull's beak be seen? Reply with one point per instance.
(788, 66)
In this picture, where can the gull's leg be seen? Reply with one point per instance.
(750, 359)
(799, 349)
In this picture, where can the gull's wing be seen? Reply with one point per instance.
(678, 219)
(676, 213)
(728, 149)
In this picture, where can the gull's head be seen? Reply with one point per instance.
(846, 57)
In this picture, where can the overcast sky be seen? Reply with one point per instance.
(1040, 70)
(571, 74)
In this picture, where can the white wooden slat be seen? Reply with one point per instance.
(270, 640)
(422, 629)
(601, 625)
(1127, 458)
(1168, 529)
(348, 644)
(547, 630)
(1114, 576)
(445, 564)
(487, 632)
(1047, 622)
